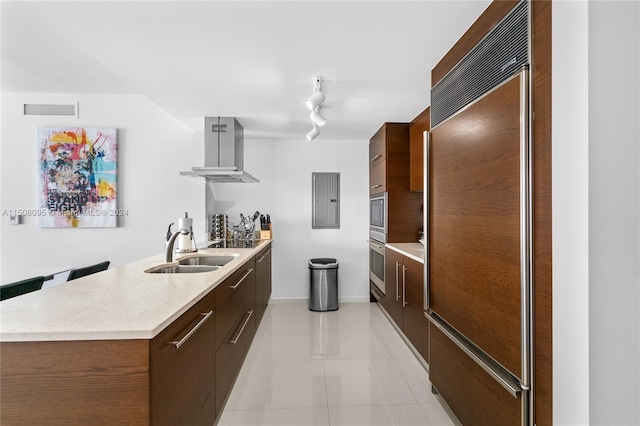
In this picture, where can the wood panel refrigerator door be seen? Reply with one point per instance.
(475, 224)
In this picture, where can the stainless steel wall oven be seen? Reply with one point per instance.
(376, 264)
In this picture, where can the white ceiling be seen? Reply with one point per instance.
(254, 60)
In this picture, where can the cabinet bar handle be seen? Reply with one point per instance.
(233, 287)
(397, 292)
(404, 286)
(376, 186)
(193, 330)
(376, 157)
(263, 256)
(234, 341)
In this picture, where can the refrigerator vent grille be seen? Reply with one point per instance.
(493, 60)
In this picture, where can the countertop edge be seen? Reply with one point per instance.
(133, 333)
(411, 250)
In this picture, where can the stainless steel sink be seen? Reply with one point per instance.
(183, 269)
(208, 260)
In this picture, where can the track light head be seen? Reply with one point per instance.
(317, 118)
(313, 133)
(315, 100)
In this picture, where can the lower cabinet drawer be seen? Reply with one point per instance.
(474, 396)
(377, 295)
(182, 364)
(231, 297)
(231, 353)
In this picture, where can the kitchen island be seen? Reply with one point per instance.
(129, 347)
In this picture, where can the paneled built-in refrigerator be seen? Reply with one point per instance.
(478, 197)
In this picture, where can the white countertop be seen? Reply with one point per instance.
(414, 251)
(120, 303)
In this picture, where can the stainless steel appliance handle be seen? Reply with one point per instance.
(526, 231)
(376, 186)
(233, 287)
(246, 321)
(397, 293)
(404, 286)
(181, 342)
(425, 219)
(507, 381)
(376, 157)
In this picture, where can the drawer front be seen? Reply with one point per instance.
(474, 396)
(378, 178)
(231, 297)
(183, 368)
(231, 353)
(377, 295)
(263, 282)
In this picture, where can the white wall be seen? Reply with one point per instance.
(284, 169)
(153, 148)
(614, 190)
(596, 212)
(570, 212)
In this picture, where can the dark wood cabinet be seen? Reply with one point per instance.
(231, 297)
(389, 172)
(417, 127)
(474, 396)
(263, 281)
(388, 157)
(181, 376)
(404, 283)
(393, 285)
(182, 368)
(233, 350)
(241, 300)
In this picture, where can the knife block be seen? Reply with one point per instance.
(265, 231)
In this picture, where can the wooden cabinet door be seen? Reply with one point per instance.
(417, 127)
(475, 397)
(393, 285)
(474, 231)
(231, 297)
(378, 148)
(416, 325)
(263, 282)
(182, 369)
(378, 178)
(231, 353)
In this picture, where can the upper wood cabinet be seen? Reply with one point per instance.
(388, 158)
(417, 127)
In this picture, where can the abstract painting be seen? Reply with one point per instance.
(77, 177)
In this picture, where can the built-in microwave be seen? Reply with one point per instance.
(378, 217)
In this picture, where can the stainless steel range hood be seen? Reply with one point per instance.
(223, 152)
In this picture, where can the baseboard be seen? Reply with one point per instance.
(349, 299)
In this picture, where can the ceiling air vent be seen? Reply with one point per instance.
(70, 110)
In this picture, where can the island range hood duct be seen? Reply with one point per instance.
(223, 152)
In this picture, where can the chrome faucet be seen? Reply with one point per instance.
(168, 252)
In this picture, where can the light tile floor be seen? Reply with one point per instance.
(346, 367)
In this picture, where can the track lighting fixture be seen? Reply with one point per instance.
(313, 103)
(315, 100)
(317, 118)
(313, 133)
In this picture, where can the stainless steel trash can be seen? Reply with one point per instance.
(323, 284)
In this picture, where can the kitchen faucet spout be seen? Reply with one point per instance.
(168, 253)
